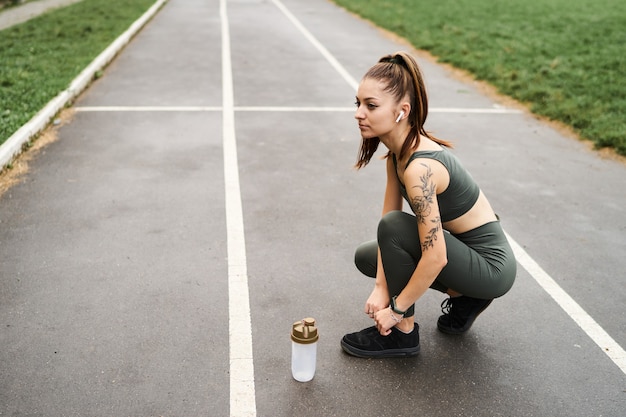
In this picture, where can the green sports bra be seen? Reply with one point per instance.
(462, 192)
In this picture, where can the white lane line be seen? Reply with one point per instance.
(276, 109)
(329, 57)
(147, 108)
(567, 303)
(352, 109)
(496, 110)
(293, 109)
(609, 346)
(242, 392)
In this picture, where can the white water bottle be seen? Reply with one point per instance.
(303, 349)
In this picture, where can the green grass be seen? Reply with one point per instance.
(566, 59)
(41, 57)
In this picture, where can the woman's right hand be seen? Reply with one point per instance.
(378, 300)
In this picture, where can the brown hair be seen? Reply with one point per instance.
(402, 76)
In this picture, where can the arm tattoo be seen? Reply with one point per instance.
(422, 207)
(429, 240)
(421, 204)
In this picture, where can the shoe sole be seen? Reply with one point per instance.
(389, 353)
(467, 326)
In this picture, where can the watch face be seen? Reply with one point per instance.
(393, 304)
(394, 308)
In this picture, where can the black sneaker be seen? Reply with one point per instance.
(369, 343)
(459, 313)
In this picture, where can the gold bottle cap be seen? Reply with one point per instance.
(304, 331)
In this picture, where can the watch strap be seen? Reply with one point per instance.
(394, 308)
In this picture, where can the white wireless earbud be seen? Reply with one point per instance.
(400, 116)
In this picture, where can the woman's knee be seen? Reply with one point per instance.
(394, 224)
(366, 258)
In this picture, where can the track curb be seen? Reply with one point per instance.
(13, 146)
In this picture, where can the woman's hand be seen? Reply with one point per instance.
(378, 300)
(385, 320)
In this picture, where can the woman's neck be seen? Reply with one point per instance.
(394, 140)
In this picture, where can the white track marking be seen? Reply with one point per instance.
(329, 57)
(147, 108)
(459, 110)
(242, 392)
(609, 346)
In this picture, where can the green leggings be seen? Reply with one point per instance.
(480, 264)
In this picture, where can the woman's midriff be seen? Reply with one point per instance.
(480, 214)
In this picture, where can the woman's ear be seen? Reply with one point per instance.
(405, 110)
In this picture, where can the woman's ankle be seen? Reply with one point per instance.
(406, 325)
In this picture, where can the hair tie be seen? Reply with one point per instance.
(397, 59)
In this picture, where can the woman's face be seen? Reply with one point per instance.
(376, 109)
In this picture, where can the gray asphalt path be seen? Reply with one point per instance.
(113, 264)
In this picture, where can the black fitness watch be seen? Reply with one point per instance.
(394, 308)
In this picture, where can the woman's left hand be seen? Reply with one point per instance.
(384, 321)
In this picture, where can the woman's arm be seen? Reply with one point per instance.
(421, 178)
(393, 198)
(379, 298)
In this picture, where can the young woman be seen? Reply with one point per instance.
(453, 241)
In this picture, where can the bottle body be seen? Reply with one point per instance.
(303, 349)
(303, 361)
